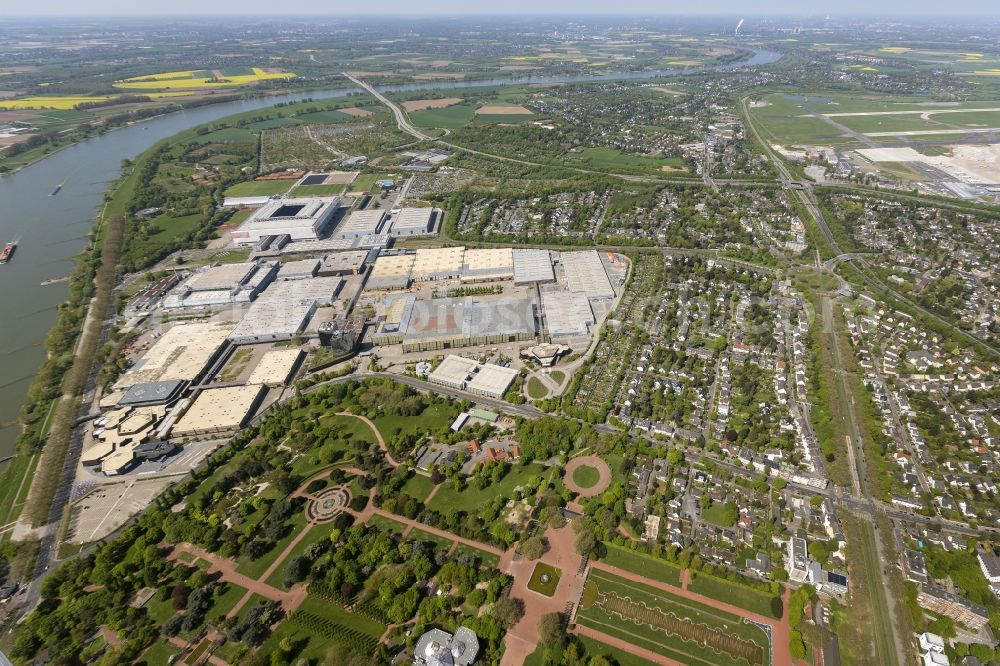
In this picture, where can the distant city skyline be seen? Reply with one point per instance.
(843, 8)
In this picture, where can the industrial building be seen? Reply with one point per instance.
(567, 313)
(226, 284)
(533, 266)
(273, 321)
(466, 374)
(152, 393)
(276, 367)
(301, 218)
(122, 438)
(361, 223)
(585, 272)
(184, 352)
(298, 270)
(446, 323)
(439, 263)
(219, 410)
(483, 265)
(390, 271)
(341, 335)
(412, 222)
(343, 263)
(321, 290)
(245, 202)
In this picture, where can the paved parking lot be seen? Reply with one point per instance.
(106, 508)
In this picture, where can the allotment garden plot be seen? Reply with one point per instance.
(672, 626)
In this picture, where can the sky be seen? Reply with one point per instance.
(748, 8)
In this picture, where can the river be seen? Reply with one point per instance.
(52, 230)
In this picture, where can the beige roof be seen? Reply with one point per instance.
(431, 261)
(218, 409)
(118, 460)
(181, 353)
(393, 265)
(98, 451)
(275, 366)
(489, 258)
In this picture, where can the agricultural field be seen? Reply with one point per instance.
(206, 78)
(655, 620)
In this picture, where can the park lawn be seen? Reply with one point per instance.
(158, 654)
(417, 534)
(536, 389)
(12, 491)
(226, 601)
(433, 418)
(356, 430)
(315, 646)
(159, 611)
(255, 568)
(448, 117)
(487, 559)
(656, 639)
(558, 376)
(546, 588)
(620, 657)
(586, 476)
(471, 500)
(734, 594)
(166, 231)
(640, 563)
(317, 534)
(259, 188)
(418, 487)
(387, 524)
(336, 613)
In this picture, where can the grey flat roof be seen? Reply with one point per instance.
(151, 392)
(585, 272)
(567, 312)
(532, 266)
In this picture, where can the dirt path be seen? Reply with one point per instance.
(444, 534)
(226, 568)
(603, 481)
(378, 436)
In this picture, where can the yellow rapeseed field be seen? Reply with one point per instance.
(43, 102)
(198, 79)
